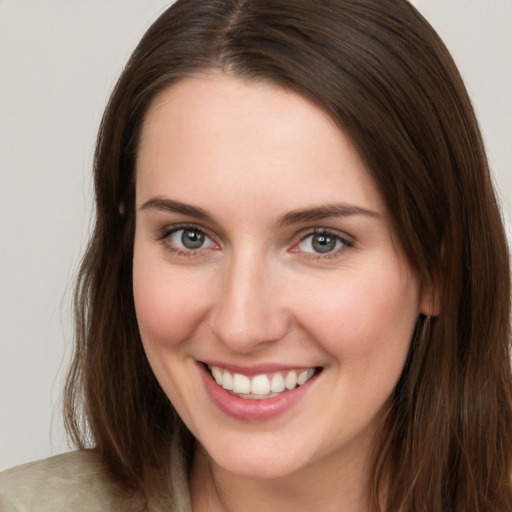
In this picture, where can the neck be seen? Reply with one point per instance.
(327, 485)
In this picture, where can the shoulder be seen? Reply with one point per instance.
(74, 481)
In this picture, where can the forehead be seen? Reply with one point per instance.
(216, 132)
(214, 100)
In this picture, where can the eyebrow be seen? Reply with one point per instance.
(172, 206)
(325, 212)
(293, 217)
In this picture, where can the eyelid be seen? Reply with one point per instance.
(164, 234)
(347, 241)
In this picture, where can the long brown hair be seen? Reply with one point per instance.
(382, 73)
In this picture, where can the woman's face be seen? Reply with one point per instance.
(264, 255)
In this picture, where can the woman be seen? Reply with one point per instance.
(297, 292)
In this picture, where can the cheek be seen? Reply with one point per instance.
(366, 318)
(169, 305)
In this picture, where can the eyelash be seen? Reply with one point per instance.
(346, 243)
(169, 246)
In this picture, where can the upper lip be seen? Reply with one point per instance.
(257, 369)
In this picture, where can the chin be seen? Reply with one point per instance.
(258, 468)
(253, 459)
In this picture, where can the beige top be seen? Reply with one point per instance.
(74, 482)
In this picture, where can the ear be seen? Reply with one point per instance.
(431, 298)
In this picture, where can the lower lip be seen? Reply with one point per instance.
(252, 410)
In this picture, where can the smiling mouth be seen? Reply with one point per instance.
(262, 386)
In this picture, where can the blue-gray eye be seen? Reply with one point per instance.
(190, 239)
(320, 243)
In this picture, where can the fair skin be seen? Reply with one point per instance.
(263, 247)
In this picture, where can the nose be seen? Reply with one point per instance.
(249, 312)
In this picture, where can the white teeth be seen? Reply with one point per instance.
(305, 376)
(260, 386)
(241, 384)
(227, 380)
(291, 380)
(277, 383)
(217, 374)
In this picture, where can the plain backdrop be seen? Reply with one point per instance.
(59, 59)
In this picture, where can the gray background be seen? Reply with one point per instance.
(58, 62)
